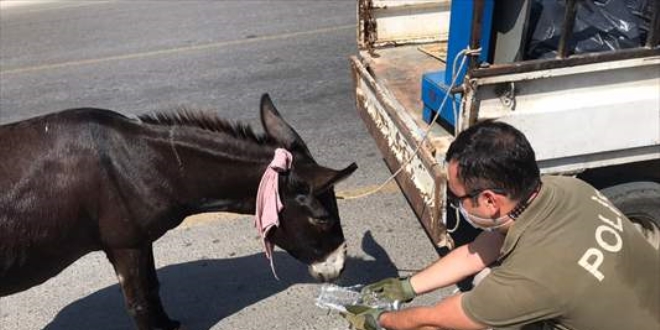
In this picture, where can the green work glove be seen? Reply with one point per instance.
(394, 289)
(363, 317)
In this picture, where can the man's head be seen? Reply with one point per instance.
(492, 167)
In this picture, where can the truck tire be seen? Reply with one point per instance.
(640, 202)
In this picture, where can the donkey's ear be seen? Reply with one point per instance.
(327, 178)
(280, 130)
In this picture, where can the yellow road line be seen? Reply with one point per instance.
(204, 218)
(170, 51)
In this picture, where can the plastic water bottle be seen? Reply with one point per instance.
(336, 298)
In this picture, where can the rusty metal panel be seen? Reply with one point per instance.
(580, 117)
(421, 179)
(383, 23)
(557, 63)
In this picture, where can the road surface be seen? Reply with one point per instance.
(137, 57)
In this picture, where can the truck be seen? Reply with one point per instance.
(427, 69)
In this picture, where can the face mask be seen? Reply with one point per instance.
(484, 223)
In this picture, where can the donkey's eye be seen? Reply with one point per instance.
(313, 208)
(302, 199)
(322, 222)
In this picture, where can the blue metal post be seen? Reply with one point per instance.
(435, 85)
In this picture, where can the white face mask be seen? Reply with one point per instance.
(486, 224)
(489, 224)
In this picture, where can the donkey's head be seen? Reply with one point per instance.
(310, 229)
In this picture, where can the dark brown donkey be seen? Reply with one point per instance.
(88, 179)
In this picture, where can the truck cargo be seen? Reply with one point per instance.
(426, 70)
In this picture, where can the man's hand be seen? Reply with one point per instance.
(394, 289)
(363, 317)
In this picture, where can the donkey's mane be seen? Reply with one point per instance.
(205, 120)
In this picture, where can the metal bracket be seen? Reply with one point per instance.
(507, 95)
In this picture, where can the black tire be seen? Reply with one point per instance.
(640, 202)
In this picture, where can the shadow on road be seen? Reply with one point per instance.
(203, 292)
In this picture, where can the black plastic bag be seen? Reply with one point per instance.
(600, 25)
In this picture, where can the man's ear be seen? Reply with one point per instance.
(276, 127)
(492, 200)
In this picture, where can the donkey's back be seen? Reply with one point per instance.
(50, 184)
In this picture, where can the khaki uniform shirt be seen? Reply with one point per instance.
(574, 259)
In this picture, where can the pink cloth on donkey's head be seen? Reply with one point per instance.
(269, 204)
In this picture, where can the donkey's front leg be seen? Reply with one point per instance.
(137, 277)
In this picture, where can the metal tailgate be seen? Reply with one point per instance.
(398, 135)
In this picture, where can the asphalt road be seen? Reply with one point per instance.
(137, 57)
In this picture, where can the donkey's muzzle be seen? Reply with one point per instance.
(329, 269)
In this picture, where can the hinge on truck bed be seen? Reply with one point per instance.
(507, 94)
(368, 31)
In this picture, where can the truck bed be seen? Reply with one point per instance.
(388, 95)
(400, 70)
(594, 115)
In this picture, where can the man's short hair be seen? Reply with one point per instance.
(492, 155)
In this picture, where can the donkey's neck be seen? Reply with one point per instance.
(216, 171)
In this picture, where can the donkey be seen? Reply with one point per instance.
(86, 179)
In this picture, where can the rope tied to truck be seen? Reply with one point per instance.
(457, 114)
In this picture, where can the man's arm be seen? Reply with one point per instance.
(447, 314)
(460, 263)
